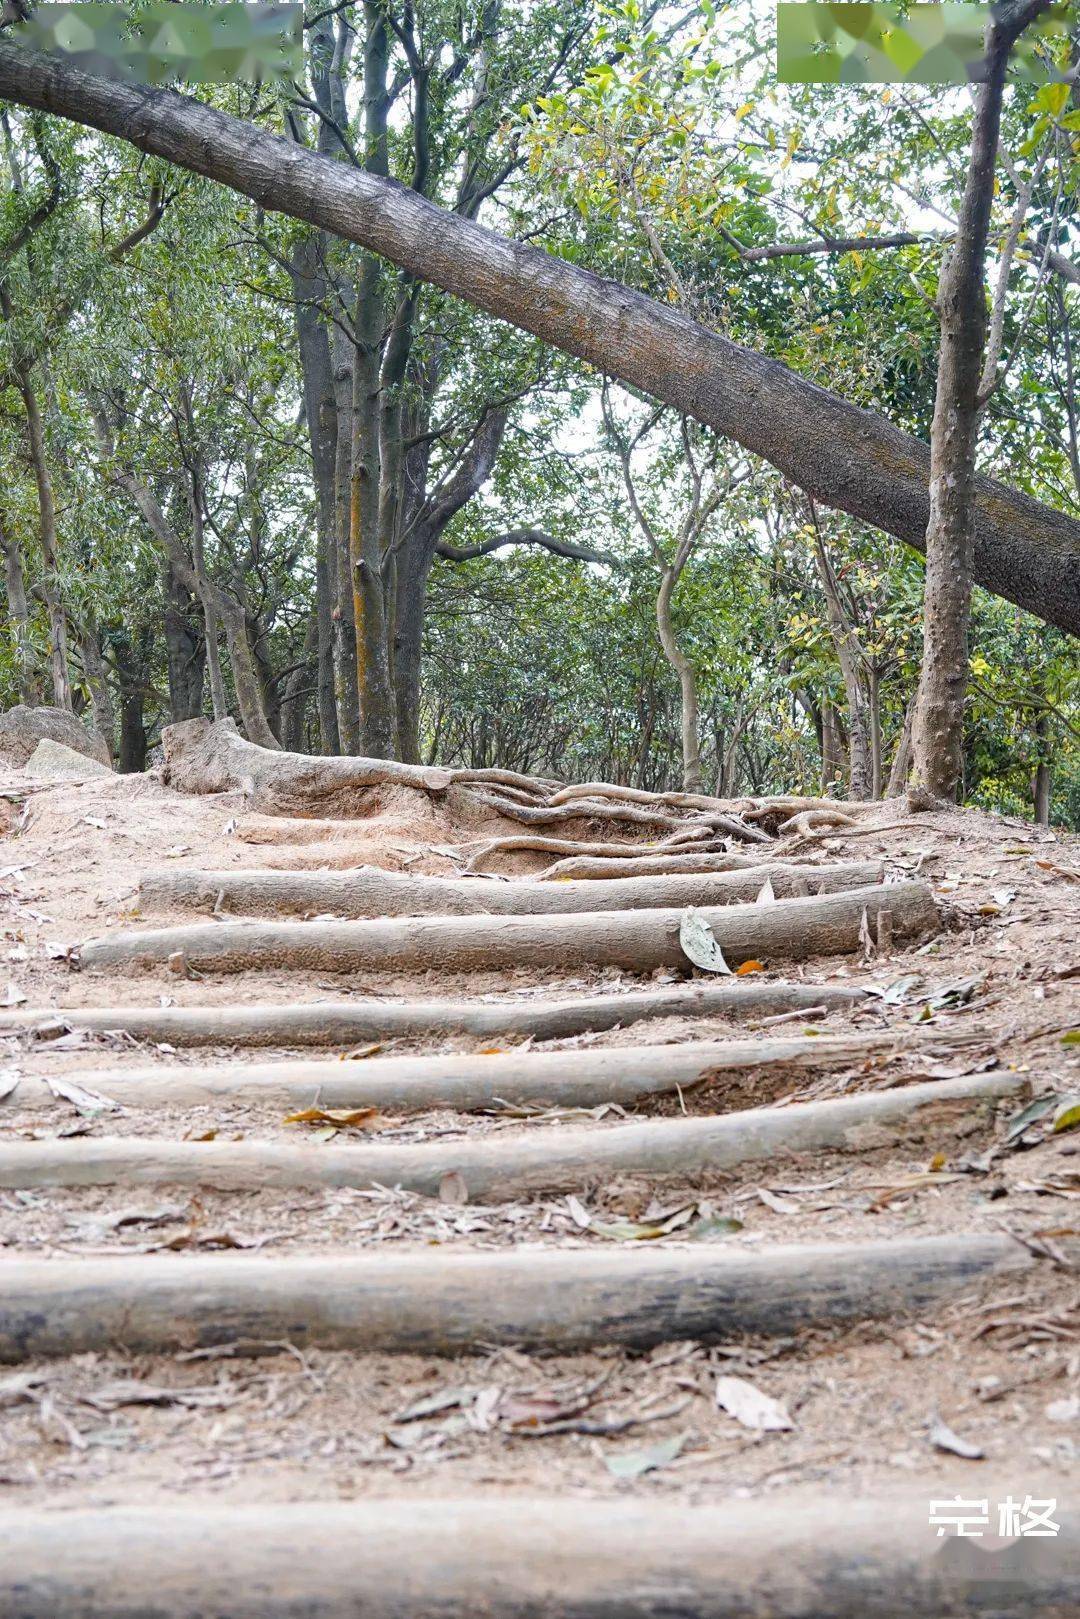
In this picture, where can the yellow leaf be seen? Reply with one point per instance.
(359, 1118)
(741, 112)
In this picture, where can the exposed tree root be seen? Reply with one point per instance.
(344, 1023)
(371, 892)
(447, 1303)
(575, 1078)
(695, 837)
(638, 941)
(585, 809)
(388, 1558)
(501, 1168)
(206, 757)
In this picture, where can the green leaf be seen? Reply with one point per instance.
(630, 1464)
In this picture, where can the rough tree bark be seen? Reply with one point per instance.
(846, 457)
(938, 727)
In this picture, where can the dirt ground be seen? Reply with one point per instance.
(995, 1373)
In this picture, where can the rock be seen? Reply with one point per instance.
(51, 760)
(22, 728)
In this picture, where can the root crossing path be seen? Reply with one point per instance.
(660, 1234)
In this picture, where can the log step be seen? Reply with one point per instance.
(501, 1168)
(814, 1556)
(638, 941)
(369, 891)
(449, 1303)
(466, 1082)
(343, 1023)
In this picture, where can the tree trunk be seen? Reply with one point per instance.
(50, 578)
(206, 595)
(19, 614)
(185, 649)
(689, 721)
(97, 681)
(320, 410)
(846, 457)
(1044, 772)
(901, 765)
(850, 658)
(938, 728)
(346, 690)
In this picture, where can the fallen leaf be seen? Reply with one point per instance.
(358, 1053)
(767, 894)
(1027, 1116)
(82, 1100)
(432, 1405)
(750, 1407)
(630, 1464)
(895, 993)
(452, 1189)
(1067, 1116)
(357, 1118)
(699, 943)
(579, 1213)
(943, 1438)
(130, 1391)
(747, 968)
(1072, 1038)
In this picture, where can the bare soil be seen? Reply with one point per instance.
(1000, 1367)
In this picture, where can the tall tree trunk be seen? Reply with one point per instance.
(50, 576)
(346, 688)
(26, 680)
(938, 730)
(832, 748)
(207, 596)
(845, 456)
(185, 650)
(97, 682)
(320, 409)
(1044, 772)
(365, 556)
(901, 765)
(132, 661)
(849, 656)
(689, 722)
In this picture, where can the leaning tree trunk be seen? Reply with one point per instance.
(848, 458)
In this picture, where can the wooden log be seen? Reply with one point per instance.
(575, 1078)
(596, 867)
(813, 1555)
(449, 1303)
(638, 941)
(502, 1168)
(344, 1023)
(370, 891)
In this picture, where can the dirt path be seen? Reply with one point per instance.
(924, 1380)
